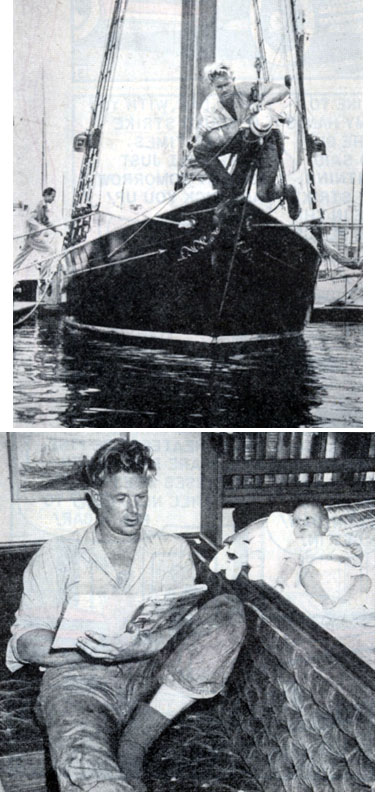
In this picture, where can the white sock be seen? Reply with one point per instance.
(170, 701)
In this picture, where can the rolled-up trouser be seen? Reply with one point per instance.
(266, 157)
(85, 707)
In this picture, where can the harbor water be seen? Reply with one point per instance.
(74, 380)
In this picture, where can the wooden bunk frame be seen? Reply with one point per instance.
(217, 494)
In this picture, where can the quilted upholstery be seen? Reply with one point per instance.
(352, 514)
(18, 728)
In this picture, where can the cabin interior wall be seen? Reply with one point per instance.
(175, 496)
(174, 503)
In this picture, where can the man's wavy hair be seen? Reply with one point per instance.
(117, 455)
(218, 69)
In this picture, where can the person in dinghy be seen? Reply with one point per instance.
(235, 118)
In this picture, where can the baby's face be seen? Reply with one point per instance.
(307, 521)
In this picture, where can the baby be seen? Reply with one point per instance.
(327, 563)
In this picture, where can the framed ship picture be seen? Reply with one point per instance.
(49, 466)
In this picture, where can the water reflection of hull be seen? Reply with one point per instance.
(168, 284)
(274, 384)
(100, 384)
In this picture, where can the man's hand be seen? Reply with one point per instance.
(255, 107)
(126, 646)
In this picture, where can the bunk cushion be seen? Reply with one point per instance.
(19, 731)
(343, 515)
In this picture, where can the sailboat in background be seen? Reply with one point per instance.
(172, 273)
(340, 278)
(38, 277)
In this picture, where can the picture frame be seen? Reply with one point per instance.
(49, 466)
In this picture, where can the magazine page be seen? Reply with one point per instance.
(106, 614)
(166, 609)
(112, 614)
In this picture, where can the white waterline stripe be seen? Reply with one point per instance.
(200, 339)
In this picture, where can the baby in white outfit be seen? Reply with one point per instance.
(329, 566)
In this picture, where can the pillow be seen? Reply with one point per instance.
(234, 555)
(267, 548)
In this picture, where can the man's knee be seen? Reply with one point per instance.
(202, 153)
(263, 193)
(266, 190)
(227, 611)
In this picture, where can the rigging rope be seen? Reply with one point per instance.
(250, 176)
(158, 206)
(56, 225)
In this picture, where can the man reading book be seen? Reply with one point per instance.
(93, 697)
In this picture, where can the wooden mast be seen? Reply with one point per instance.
(360, 220)
(90, 141)
(299, 45)
(198, 37)
(352, 217)
(44, 161)
(261, 44)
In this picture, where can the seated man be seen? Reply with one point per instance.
(228, 108)
(88, 694)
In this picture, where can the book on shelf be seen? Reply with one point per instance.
(305, 453)
(226, 445)
(370, 474)
(330, 453)
(260, 454)
(318, 451)
(283, 452)
(113, 614)
(295, 446)
(237, 455)
(271, 448)
(250, 444)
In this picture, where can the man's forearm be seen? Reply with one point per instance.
(275, 93)
(35, 646)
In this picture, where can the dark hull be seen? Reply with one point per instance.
(187, 286)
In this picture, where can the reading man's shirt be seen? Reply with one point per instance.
(77, 564)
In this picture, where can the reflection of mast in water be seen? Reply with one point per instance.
(275, 385)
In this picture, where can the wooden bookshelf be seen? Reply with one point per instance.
(283, 467)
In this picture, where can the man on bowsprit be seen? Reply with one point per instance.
(234, 119)
(93, 698)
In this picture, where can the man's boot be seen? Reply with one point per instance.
(144, 727)
(292, 200)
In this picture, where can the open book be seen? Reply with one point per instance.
(112, 614)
